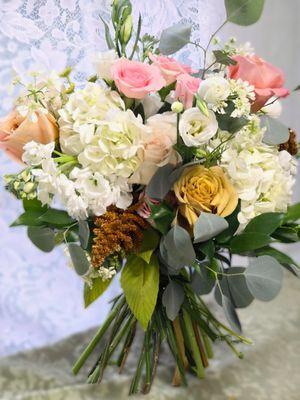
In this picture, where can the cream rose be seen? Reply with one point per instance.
(195, 128)
(214, 90)
(158, 147)
(204, 189)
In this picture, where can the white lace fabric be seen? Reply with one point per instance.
(40, 297)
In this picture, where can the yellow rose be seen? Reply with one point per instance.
(204, 189)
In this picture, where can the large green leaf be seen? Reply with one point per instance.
(174, 38)
(172, 299)
(56, 217)
(208, 226)
(33, 204)
(249, 241)
(93, 293)
(140, 282)
(293, 213)
(276, 132)
(179, 250)
(264, 277)
(29, 218)
(265, 223)
(42, 237)
(149, 244)
(79, 259)
(244, 12)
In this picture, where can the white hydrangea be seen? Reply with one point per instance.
(83, 192)
(95, 127)
(262, 175)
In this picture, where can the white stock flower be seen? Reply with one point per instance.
(262, 176)
(35, 153)
(214, 91)
(243, 95)
(103, 62)
(195, 128)
(273, 108)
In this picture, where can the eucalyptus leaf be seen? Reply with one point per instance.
(208, 226)
(43, 238)
(264, 277)
(244, 12)
(172, 299)
(223, 58)
(179, 250)
(276, 132)
(281, 257)
(202, 280)
(231, 314)
(240, 295)
(79, 259)
(233, 223)
(84, 233)
(160, 184)
(174, 38)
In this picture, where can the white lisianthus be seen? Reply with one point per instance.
(262, 176)
(35, 153)
(214, 91)
(273, 108)
(195, 128)
(103, 62)
(151, 103)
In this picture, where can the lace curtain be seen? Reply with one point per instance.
(40, 297)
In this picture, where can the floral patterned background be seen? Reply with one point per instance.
(40, 297)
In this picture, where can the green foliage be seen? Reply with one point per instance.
(288, 233)
(202, 280)
(233, 224)
(293, 213)
(172, 299)
(43, 238)
(223, 58)
(79, 258)
(282, 258)
(108, 38)
(140, 282)
(276, 132)
(208, 226)
(264, 278)
(174, 38)
(84, 233)
(161, 183)
(248, 241)
(244, 12)
(29, 218)
(265, 223)
(162, 216)
(95, 291)
(177, 249)
(149, 244)
(55, 217)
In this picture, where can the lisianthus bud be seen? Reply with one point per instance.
(126, 30)
(177, 107)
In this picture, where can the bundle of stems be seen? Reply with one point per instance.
(189, 338)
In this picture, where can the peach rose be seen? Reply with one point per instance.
(136, 79)
(186, 87)
(169, 67)
(16, 131)
(158, 147)
(267, 79)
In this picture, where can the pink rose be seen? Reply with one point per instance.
(169, 67)
(186, 87)
(136, 79)
(267, 80)
(16, 131)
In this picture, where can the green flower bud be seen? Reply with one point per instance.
(66, 72)
(25, 176)
(28, 187)
(126, 30)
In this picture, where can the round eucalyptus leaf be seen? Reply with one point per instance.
(172, 299)
(244, 12)
(239, 292)
(174, 38)
(202, 281)
(42, 237)
(84, 233)
(208, 226)
(264, 277)
(79, 258)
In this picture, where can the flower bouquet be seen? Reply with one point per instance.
(163, 175)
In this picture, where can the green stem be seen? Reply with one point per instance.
(96, 339)
(194, 346)
(207, 345)
(147, 385)
(138, 373)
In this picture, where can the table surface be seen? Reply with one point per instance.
(269, 371)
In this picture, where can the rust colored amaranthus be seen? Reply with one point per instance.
(116, 231)
(291, 145)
